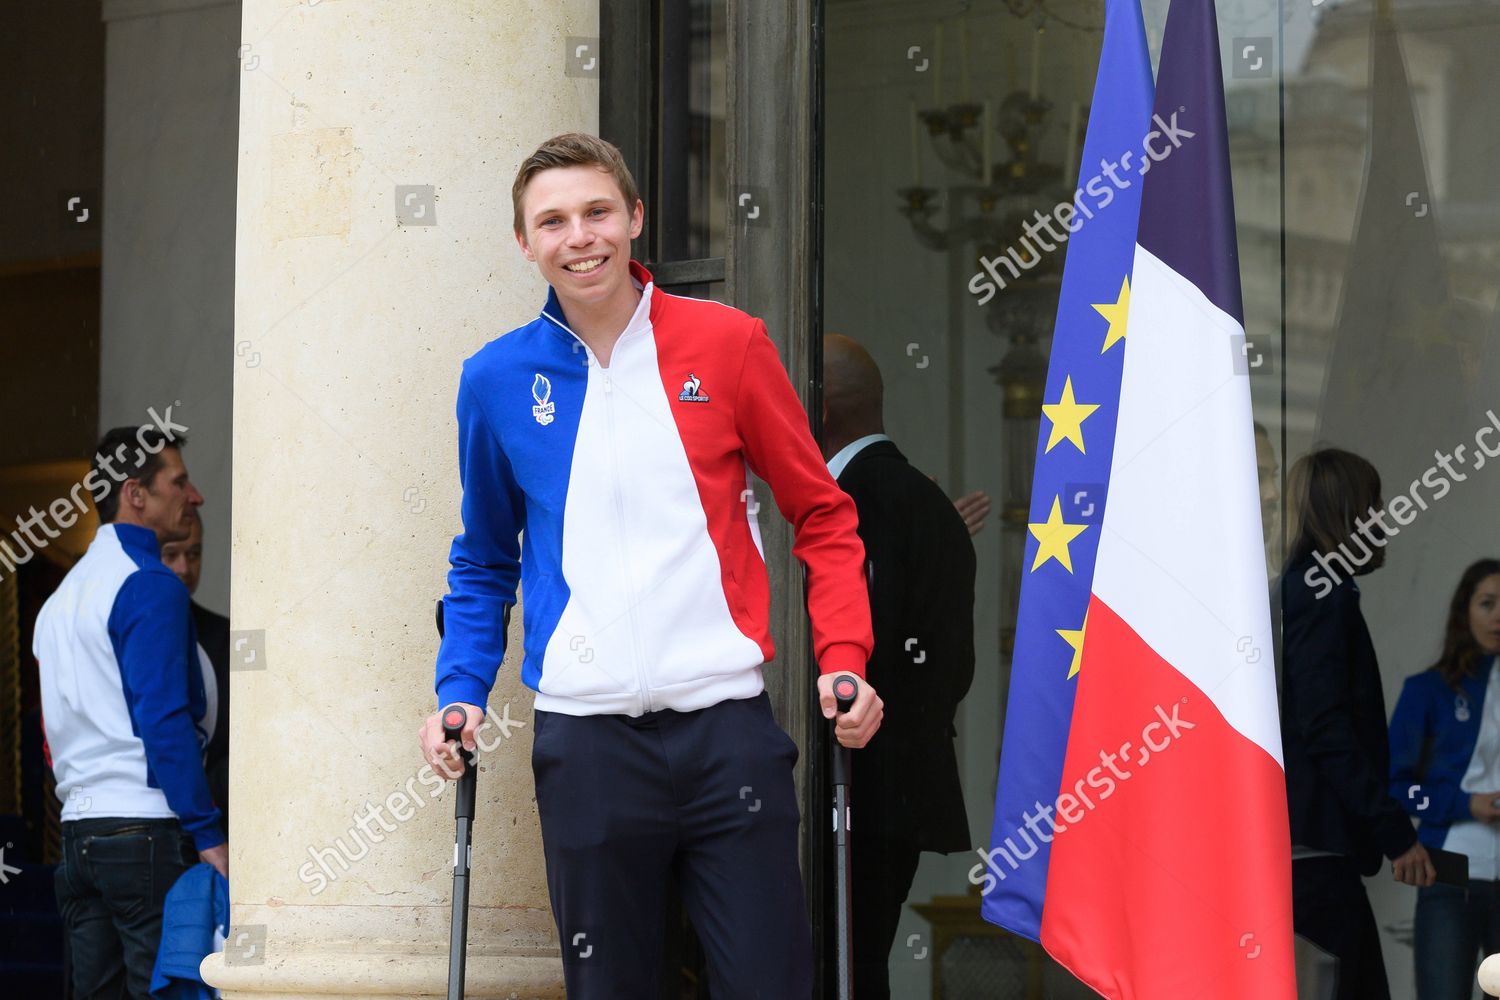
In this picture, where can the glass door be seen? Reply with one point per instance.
(1363, 142)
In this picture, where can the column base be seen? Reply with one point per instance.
(312, 976)
(385, 951)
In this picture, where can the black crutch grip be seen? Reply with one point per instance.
(845, 690)
(455, 717)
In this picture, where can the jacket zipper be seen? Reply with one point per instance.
(614, 460)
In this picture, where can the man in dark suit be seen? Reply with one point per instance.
(185, 558)
(905, 797)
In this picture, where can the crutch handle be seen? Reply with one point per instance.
(455, 717)
(845, 690)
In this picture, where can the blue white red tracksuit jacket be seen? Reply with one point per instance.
(641, 565)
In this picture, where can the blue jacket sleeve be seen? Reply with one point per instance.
(151, 629)
(1425, 796)
(485, 560)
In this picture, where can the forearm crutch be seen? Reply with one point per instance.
(454, 718)
(845, 689)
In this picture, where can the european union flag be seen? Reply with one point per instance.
(1071, 482)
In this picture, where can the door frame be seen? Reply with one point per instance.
(772, 268)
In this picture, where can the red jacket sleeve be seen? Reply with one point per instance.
(779, 446)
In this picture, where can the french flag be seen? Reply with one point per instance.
(1140, 830)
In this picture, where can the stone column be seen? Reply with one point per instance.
(378, 142)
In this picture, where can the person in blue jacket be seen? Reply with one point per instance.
(1445, 768)
(125, 711)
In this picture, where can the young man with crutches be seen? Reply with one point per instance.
(618, 429)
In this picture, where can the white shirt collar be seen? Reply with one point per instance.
(846, 454)
(642, 315)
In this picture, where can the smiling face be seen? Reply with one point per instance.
(578, 231)
(1484, 614)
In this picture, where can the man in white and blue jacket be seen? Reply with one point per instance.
(124, 704)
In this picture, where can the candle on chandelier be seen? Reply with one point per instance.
(937, 68)
(1036, 64)
(963, 55)
(1069, 163)
(986, 127)
(916, 146)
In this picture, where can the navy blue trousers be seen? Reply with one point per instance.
(705, 796)
(1331, 909)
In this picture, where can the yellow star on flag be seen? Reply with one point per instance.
(1115, 312)
(1053, 537)
(1074, 637)
(1067, 416)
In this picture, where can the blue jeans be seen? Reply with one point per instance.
(1456, 929)
(114, 876)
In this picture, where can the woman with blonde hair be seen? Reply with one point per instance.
(1333, 731)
